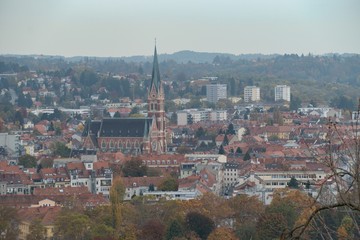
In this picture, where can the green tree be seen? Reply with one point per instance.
(175, 230)
(27, 161)
(169, 184)
(51, 127)
(47, 162)
(102, 231)
(225, 141)
(247, 156)
(19, 118)
(293, 183)
(117, 115)
(200, 132)
(295, 102)
(60, 149)
(200, 224)
(72, 225)
(230, 130)
(238, 150)
(151, 188)
(273, 138)
(221, 149)
(173, 118)
(36, 231)
(134, 168)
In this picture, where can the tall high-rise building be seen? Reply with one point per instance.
(251, 94)
(214, 92)
(282, 92)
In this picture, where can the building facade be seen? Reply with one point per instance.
(189, 116)
(214, 92)
(282, 92)
(251, 94)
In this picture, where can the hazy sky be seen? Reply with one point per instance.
(129, 27)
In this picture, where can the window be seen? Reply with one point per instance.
(103, 144)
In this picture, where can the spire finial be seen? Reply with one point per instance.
(155, 42)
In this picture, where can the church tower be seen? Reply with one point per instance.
(156, 109)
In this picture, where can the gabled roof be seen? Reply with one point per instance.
(125, 127)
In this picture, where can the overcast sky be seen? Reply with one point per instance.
(129, 27)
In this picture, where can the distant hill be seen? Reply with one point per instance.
(196, 57)
(185, 56)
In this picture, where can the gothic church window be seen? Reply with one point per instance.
(103, 144)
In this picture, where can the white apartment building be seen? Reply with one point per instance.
(12, 142)
(214, 92)
(184, 117)
(282, 92)
(251, 94)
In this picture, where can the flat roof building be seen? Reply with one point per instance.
(251, 94)
(282, 92)
(214, 92)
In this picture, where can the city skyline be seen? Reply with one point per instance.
(128, 28)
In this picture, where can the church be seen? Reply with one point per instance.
(132, 135)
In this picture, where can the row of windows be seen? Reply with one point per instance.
(120, 145)
(276, 184)
(153, 162)
(230, 174)
(297, 176)
(79, 183)
(230, 179)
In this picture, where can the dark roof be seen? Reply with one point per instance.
(94, 127)
(125, 127)
(155, 77)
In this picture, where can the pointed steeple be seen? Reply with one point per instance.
(155, 77)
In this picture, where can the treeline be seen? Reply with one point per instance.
(313, 78)
(209, 217)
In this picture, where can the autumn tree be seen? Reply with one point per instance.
(117, 192)
(72, 225)
(246, 212)
(169, 184)
(36, 231)
(9, 223)
(222, 233)
(343, 161)
(152, 230)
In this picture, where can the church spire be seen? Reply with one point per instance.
(155, 77)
